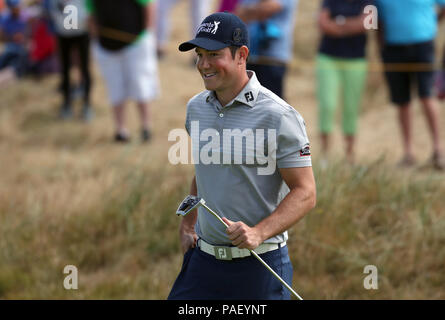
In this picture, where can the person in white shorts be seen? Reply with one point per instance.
(126, 55)
(198, 11)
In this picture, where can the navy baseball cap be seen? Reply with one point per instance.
(218, 31)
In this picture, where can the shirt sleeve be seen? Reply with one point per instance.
(293, 149)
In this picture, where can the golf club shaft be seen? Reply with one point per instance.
(258, 257)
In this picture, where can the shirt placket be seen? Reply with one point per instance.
(221, 115)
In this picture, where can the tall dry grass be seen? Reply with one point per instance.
(69, 196)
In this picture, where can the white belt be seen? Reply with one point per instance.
(229, 253)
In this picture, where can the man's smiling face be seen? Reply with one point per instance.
(218, 69)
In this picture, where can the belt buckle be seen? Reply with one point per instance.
(223, 253)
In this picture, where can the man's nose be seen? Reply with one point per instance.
(203, 62)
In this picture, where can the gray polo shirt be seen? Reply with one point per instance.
(237, 151)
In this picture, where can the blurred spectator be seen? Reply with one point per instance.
(409, 31)
(126, 54)
(2, 9)
(42, 47)
(12, 32)
(271, 26)
(341, 68)
(198, 11)
(439, 81)
(72, 40)
(227, 5)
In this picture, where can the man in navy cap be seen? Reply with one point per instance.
(258, 206)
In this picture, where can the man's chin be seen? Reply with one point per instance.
(209, 86)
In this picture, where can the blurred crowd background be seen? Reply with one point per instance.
(86, 179)
(128, 38)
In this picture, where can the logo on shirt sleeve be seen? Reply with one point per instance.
(306, 151)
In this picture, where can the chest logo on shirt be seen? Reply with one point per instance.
(249, 96)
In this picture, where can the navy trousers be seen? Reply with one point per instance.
(203, 277)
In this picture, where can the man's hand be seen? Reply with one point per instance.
(243, 236)
(187, 234)
(300, 200)
(188, 240)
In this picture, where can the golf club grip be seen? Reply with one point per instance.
(288, 287)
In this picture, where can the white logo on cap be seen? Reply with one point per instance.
(216, 26)
(209, 27)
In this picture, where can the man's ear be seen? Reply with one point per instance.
(243, 54)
